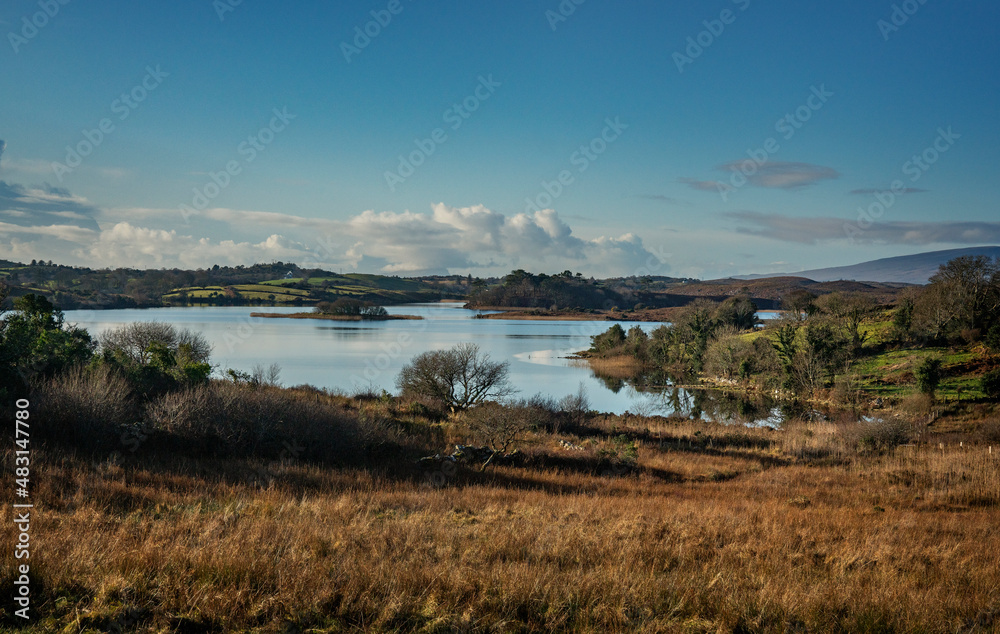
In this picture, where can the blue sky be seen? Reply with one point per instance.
(639, 122)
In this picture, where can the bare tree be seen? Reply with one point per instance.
(460, 377)
(266, 377)
(499, 426)
(133, 341)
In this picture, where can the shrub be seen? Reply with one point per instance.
(990, 384)
(576, 405)
(881, 435)
(85, 408)
(989, 431)
(730, 355)
(235, 419)
(846, 390)
(612, 339)
(993, 338)
(928, 375)
(500, 427)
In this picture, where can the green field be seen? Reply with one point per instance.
(375, 288)
(892, 373)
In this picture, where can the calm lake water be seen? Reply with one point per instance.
(353, 356)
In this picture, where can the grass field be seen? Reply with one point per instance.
(713, 529)
(384, 290)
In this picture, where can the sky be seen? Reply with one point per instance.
(696, 139)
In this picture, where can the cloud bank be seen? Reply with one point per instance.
(768, 174)
(44, 221)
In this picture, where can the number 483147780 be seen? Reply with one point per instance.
(21, 438)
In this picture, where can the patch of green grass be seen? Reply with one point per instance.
(892, 373)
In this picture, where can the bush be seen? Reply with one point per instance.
(576, 405)
(234, 419)
(612, 339)
(993, 338)
(990, 384)
(846, 390)
(501, 427)
(881, 435)
(730, 355)
(87, 408)
(989, 431)
(726, 353)
(928, 375)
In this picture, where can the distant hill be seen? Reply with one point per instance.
(275, 284)
(907, 269)
(767, 292)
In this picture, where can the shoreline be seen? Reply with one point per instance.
(652, 315)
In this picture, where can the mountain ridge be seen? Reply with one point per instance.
(916, 268)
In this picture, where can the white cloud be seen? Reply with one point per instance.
(127, 245)
(446, 240)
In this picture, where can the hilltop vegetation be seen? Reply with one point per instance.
(852, 347)
(261, 284)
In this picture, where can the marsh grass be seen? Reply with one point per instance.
(717, 529)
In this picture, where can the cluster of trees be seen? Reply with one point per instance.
(36, 343)
(352, 308)
(815, 342)
(961, 304)
(681, 345)
(521, 289)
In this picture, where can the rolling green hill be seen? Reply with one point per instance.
(262, 284)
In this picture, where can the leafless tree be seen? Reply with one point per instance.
(134, 341)
(460, 377)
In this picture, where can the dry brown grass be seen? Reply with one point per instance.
(617, 367)
(722, 529)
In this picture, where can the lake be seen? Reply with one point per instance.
(353, 356)
(356, 356)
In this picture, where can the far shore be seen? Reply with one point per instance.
(540, 314)
(332, 317)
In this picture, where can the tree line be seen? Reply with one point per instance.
(818, 338)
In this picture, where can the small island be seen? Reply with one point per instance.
(333, 317)
(342, 310)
